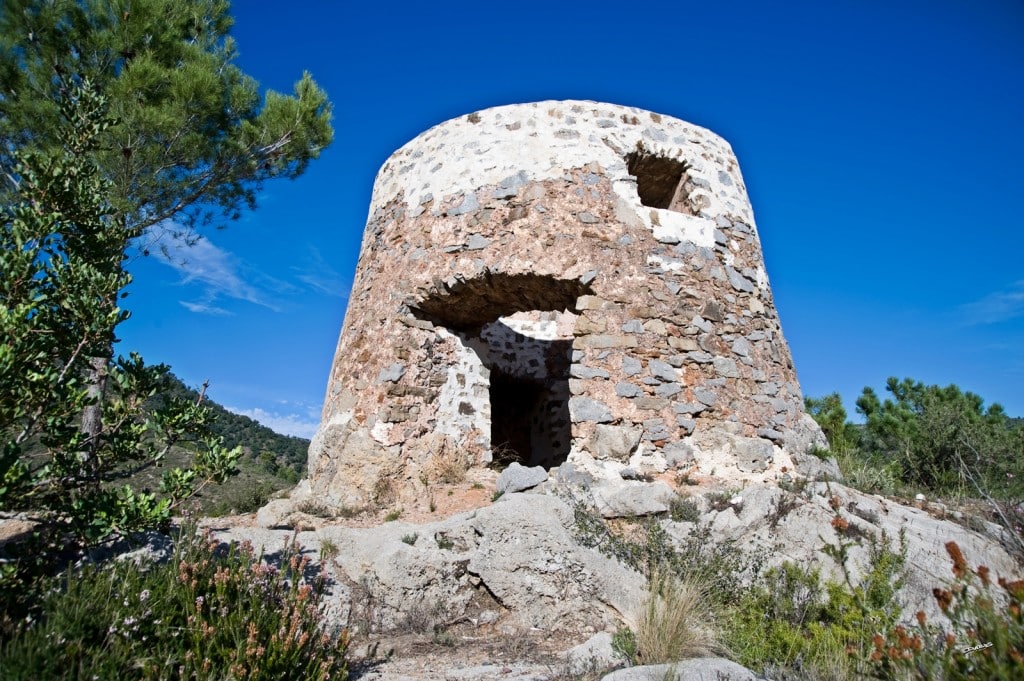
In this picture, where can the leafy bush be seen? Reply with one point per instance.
(624, 645)
(793, 623)
(945, 439)
(72, 417)
(210, 613)
(984, 638)
(721, 565)
(683, 509)
(870, 474)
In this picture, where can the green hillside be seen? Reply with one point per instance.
(270, 461)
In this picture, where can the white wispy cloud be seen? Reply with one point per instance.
(204, 308)
(298, 425)
(319, 276)
(999, 306)
(219, 272)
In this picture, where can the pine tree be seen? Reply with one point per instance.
(192, 139)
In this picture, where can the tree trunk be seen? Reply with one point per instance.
(92, 415)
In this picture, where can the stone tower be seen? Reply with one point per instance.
(563, 284)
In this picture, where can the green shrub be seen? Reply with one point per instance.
(794, 623)
(209, 613)
(721, 565)
(984, 637)
(683, 509)
(624, 645)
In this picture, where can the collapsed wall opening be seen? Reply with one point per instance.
(521, 329)
(660, 180)
(468, 304)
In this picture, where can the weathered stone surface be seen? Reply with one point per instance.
(391, 374)
(589, 409)
(520, 551)
(706, 397)
(615, 442)
(651, 403)
(477, 242)
(468, 205)
(630, 499)
(628, 390)
(594, 653)
(678, 454)
(662, 370)
(668, 389)
(751, 454)
(523, 278)
(517, 477)
(725, 366)
(686, 424)
(520, 563)
(608, 341)
(800, 535)
(580, 371)
(631, 366)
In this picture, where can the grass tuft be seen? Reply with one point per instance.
(676, 621)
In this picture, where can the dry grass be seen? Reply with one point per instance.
(449, 466)
(676, 621)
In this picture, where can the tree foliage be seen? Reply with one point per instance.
(62, 255)
(193, 137)
(942, 437)
(830, 414)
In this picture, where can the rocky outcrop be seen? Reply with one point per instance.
(527, 561)
(517, 557)
(559, 282)
(797, 526)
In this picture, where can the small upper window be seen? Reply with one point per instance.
(659, 180)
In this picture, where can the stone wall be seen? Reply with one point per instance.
(559, 283)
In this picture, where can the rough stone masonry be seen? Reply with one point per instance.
(564, 284)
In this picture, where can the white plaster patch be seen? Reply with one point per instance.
(667, 264)
(514, 352)
(676, 227)
(381, 432)
(528, 325)
(466, 384)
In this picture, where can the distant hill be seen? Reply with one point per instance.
(270, 461)
(261, 443)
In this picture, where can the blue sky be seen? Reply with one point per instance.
(881, 143)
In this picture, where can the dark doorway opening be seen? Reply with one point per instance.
(514, 404)
(530, 413)
(507, 320)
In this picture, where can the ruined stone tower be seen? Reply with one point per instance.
(563, 284)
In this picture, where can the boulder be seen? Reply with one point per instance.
(594, 653)
(518, 477)
(519, 557)
(629, 499)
